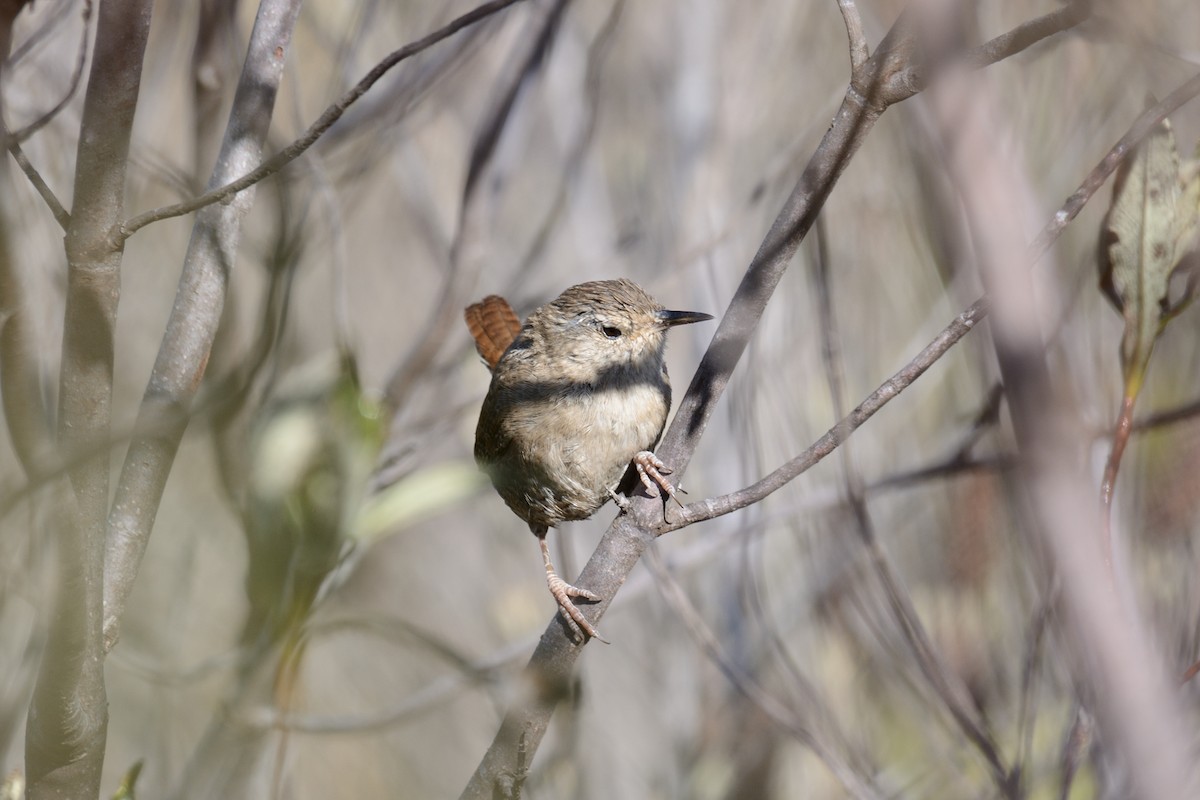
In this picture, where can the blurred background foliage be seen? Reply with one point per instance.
(334, 604)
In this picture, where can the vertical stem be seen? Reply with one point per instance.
(1108, 485)
(192, 326)
(68, 718)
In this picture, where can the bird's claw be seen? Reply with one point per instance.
(652, 471)
(563, 592)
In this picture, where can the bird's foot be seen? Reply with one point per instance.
(653, 473)
(563, 592)
(621, 500)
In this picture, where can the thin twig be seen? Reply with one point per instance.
(187, 342)
(1146, 122)
(747, 686)
(959, 327)
(468, 250)
(56, 208)
(950, 692)
(859, 52)
(20, 135)
(881, 83)
(1137, 714)
(1028, 34)
(314, 132)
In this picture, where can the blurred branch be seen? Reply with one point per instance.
(213, 56)
(188, 339)
(576, 156)
(1162, 419)
(1138, 131)
(1028, 34)
(9, 9)
(885, 79)
(950, 692)
(786, 718)
(959, 327)
(1076, 743)
(16, 137)
(917, 58)
(1117, 661)
(469, 251)
(25, 414)
(859, 51)
(331, 115)
(61, 215)
(55, 18)
(1027, 706)
(68, 716)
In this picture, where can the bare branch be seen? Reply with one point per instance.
(908, 60)
(888, 77)
(787, 719)
(1096, 178)
(1028, 34)
(859, 52)
(16, 137)
(68, 718)
(959, 327)
(324, 122)
(61, 216)
(1124, 673)
(468, 250)
(946, 688)
(192, 326)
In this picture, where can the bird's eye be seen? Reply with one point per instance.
(611, 332)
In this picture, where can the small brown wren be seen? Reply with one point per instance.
(578, 400)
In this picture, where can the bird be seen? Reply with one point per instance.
(577, 402)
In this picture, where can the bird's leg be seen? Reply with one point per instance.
(652, 471)
(563, 592)
(621, 500)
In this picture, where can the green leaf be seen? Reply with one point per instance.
(1149, 228)
(424, 493)
(126, 790)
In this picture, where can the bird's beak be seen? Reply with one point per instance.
(669, 319)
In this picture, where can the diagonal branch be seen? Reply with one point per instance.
(14, 138)
(221, 193)
(1117, 662)
(61, 215)
(192, 326)
(886, 78)
(1028, 34)
(469, 251)
(960, 326)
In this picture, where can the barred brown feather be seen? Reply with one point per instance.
(493, 325)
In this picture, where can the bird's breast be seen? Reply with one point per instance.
(564, 450)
